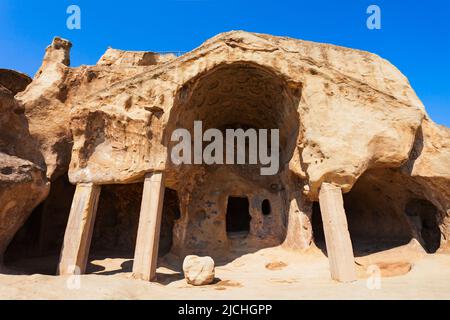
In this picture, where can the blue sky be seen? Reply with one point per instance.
(415, 35)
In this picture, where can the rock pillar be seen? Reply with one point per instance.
(146, 253)
(77, 239)
(337, 237)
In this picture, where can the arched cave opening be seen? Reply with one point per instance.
(239, 95)
(41, 237)
(374, 216)
(375, 219)
(383, 213)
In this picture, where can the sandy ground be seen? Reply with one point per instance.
(272, 273)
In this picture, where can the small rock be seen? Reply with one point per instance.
(276, 265)
(198, 271)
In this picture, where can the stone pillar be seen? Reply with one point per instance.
(77, 239)
(337, 237)
(147, 242)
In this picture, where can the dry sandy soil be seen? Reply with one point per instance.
(272, 273)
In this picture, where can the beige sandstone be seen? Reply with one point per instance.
(22, 175)
(347, 118)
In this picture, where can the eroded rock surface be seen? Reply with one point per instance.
(22, 171)
(124, 58)
(14, 81)
(346, 117)
(22, 187)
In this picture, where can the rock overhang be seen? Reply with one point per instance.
(356, 109)
(351, 118)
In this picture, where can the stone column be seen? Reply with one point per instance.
(337, 237)
(147, 242)
(77, 239)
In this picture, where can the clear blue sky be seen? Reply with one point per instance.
(415, 35)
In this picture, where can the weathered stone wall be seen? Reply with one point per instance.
(201, 228)
(342, 113)
(23, 184)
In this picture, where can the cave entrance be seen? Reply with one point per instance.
(238, 217)
(36, 246)
(231, 96)
(422, 215)
(383, 213)
(117, 220)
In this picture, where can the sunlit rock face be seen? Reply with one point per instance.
(23, 184)
(345, 116)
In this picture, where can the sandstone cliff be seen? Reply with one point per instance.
(345, 116)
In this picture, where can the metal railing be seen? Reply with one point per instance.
(176, 53)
